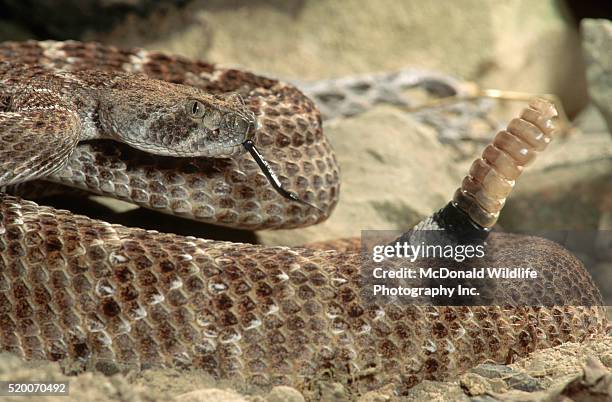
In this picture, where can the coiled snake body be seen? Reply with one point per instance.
(113, 297)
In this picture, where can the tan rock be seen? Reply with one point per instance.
(597, 46)
(394, 172)
(568, 188)
(474, 384)
(436, 391)
(569, 368)
(89, 386)
(518, 45)
(384, 394)
(210, 395)
(284, 394)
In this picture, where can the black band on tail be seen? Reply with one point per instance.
(459, 224)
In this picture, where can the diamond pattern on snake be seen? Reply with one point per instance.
(167, 133)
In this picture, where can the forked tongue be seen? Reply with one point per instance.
(274, 181)
(477, 203)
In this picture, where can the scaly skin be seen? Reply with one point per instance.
(112, 297)
(227, 191)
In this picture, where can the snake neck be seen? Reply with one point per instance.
(28, 88)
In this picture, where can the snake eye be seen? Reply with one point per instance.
(195, 109)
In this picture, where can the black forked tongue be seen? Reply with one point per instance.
(271, 176)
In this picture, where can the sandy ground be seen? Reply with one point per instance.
(547, 371)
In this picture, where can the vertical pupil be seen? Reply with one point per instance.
(195, 107)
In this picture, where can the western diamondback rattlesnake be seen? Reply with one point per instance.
(112, 297)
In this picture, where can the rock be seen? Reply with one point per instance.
(523, 382)
(594, 371)
(570, 372)
(606, 359)
(597, 45)
(590, 120)
(436, 391)
(475, 385)
(86, 386)
(564, 360)
(520, 45)
(384, 394)
(569, 187)
(332, 391)
(601, 271)
(492, 370)
(284, 394)
(394, 173)
(484, 398)
(594, 385)
(567, 196)
(210, 395)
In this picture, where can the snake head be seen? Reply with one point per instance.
(175, 120)
(225, 122)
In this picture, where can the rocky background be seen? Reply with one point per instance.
(398, 165)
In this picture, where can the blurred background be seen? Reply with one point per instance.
(520, 45)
